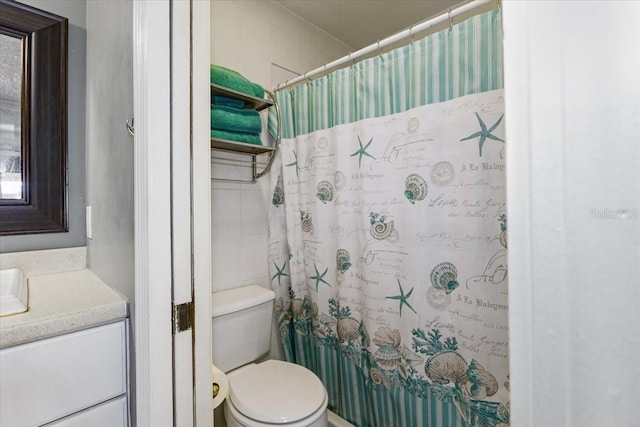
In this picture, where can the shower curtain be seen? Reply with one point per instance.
(388, 233)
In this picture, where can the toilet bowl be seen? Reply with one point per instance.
(275, 393)
(270, 393)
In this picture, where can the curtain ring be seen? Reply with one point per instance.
(450, 20)
(411, 34)
(349, 58)
(379, 48)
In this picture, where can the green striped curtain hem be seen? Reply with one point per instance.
(463, 60)
(353, 395)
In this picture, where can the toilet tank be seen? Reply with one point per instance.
(241, 325)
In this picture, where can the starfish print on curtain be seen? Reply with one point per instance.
(403, 298)
(319, 277)
(484, 133)
(279, 272)
(362, 151)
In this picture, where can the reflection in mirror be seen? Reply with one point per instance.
(10, 117)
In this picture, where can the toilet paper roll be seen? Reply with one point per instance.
(219, 386)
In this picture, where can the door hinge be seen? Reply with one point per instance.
(182, 317)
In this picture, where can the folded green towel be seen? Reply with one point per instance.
(229, 102)
(235, 119)
(233, 80)
(249, 138)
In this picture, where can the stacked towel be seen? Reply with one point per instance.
(228, 102)
(235, 119)
(236, 136)
(229, 119)
(233, 80)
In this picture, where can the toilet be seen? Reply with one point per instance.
(269, 393)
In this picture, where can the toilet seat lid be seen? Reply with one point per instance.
(276, 392)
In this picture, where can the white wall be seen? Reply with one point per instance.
(267, 44)
(109, 145)
(572, 81)
(109, 151)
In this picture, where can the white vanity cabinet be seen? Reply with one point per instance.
(75, 379)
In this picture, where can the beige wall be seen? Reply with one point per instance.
(268, 45)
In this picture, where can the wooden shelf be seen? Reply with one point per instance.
(250, 101)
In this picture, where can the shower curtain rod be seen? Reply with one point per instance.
(410, 32)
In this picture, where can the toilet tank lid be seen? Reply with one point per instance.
(232, 300)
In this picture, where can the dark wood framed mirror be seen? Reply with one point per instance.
(33, 120)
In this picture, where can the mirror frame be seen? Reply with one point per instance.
(43, 207)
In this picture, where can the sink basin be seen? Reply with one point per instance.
(14, 293)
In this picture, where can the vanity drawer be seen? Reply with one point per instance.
(49, 379)
(109, 414)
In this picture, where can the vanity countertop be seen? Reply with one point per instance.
(61, 303)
